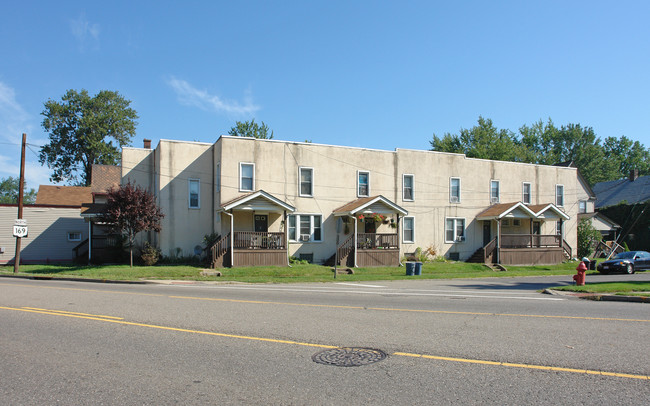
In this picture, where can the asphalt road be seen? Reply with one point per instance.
(494, 341)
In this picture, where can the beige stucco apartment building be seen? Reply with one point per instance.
(268, 199)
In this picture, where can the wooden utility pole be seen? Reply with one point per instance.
(21, 186)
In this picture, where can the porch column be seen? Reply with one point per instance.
(562, 232)
(286, 237)
(498, 241)
(355, 240)
(90, 239)
(399, 245)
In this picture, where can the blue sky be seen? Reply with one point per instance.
(374, 74)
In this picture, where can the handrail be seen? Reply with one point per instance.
(376, 240)
(489, 249)
(530, 240)
(566, 247)
(259, 240)
(79, 246)
(219, 249)
(346, 247)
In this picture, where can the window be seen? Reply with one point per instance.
(74, 236)
(246, 177)
(217, 180)
(454, 190)
(407, 188)
(363, 184)
(408, 232)
(516, 222)
(306, 182)
(305, 227)
(454, 230)
(559, 195)
(194, 193)
(494, 191)
(527, 196)
(582, 206)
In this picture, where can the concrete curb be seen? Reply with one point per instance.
(599, 296)
(47, 278)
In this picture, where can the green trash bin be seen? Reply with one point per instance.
(410, 268)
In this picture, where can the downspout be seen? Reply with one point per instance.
(355, 242)
(286, 237)
(399, 246)
(90, 239)
(232, 238)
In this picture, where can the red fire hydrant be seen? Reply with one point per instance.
(579, 278)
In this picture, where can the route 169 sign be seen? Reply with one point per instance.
(20, 228)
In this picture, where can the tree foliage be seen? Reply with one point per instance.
(9, 188)
(588, 237)
(83, 131)
(130, 210)
(251, 129)
(545, 143)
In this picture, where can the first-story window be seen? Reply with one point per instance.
(305, 227)
(306, 182)
(74, 236)
(454, 230)
(408, 229)
(194, 192)
(582, 206)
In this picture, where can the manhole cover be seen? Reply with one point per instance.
(349, 357)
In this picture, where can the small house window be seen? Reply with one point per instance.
(454, 230)
(527, 196)
(246, 177)
(74, 236)
(363, 184)
(559, 195)
(494, 191)
(454, 190)
(305, 227)
(194, 193)
(306, 182)
(408, 232)
(407, 186)
(582, 206)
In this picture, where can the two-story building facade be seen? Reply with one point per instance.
(268, 199)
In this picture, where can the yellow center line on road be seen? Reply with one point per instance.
(271, 340)
(81, 314)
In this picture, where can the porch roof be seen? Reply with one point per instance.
(518, 209)
(369, 204)
(93, 210)
(259, 200)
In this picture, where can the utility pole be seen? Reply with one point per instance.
(21, 186)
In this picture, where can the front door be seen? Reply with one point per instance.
(370, 226)
(261, 223)
(536, 231)
(487, 232)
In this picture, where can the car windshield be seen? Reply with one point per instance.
(625, 255)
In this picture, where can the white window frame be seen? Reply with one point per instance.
(359, 184)
(582, 206)
(496, 199)
(456, 238)
(523, 192)
(297, 230)
(404, 188)
(311, 182)
(217, 178)
(190, 182)
(74, 239)
(452, 198)
(558, 188)
(241, 177)
(404, 240)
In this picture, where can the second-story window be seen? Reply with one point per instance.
(306, 182)
(559, 195)
(407, 188)
(246, 177)
(527, 196)
(454, 190)
(494, 191)
(582, 206)
(194, 193)
(363, 184)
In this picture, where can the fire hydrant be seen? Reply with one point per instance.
(579, 278)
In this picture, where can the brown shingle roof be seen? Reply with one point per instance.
(496, 210)
(105, 177)
(348, 207)
(63, 195)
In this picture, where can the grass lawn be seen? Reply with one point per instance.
(632, 288)
(295, 273)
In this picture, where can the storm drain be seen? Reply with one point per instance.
(349, 357)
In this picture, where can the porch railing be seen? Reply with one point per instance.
(259, 240)
(81, 249)
(346, 247)
(530, 241)
(374, 241)
(219, 249)
(489, 250)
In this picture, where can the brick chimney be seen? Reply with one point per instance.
(634, 173)
(147, 144)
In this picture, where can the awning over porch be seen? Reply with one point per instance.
(519, 210)
(372, 204)
(258, 201)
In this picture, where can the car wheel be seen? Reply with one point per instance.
(629, 269)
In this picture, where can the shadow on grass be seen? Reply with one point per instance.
(50, 269)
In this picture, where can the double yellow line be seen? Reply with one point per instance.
(119, 320)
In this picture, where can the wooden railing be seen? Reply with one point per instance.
(489, 250)
(530, 241)
(567, 248)
(106, 241)
(219, 249)
(257, 240)
(81, 249)
(346, 247)
(373, 241)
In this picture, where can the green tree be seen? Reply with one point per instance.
(131, 209)
(83, 131)
(251, 129)
(588, 237)
(624, 155)
(9, 187)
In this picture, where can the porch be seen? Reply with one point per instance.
(526, 249)
(372, 249)
(105, 248)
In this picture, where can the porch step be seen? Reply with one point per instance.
(496, 267)
(477, 257)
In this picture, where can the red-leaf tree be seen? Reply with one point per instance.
(131, 209)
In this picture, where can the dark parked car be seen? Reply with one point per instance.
(629, 262)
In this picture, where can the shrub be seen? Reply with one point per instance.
(149, 255)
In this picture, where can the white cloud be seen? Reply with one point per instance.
(86, 34)
(13, 118)
(191, 96)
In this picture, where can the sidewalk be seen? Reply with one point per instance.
(606, 297)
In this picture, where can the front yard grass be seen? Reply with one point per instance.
(631, 288)
(295, 273)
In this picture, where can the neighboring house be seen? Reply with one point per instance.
(55, 227)
(268, 199)
(624, 202)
